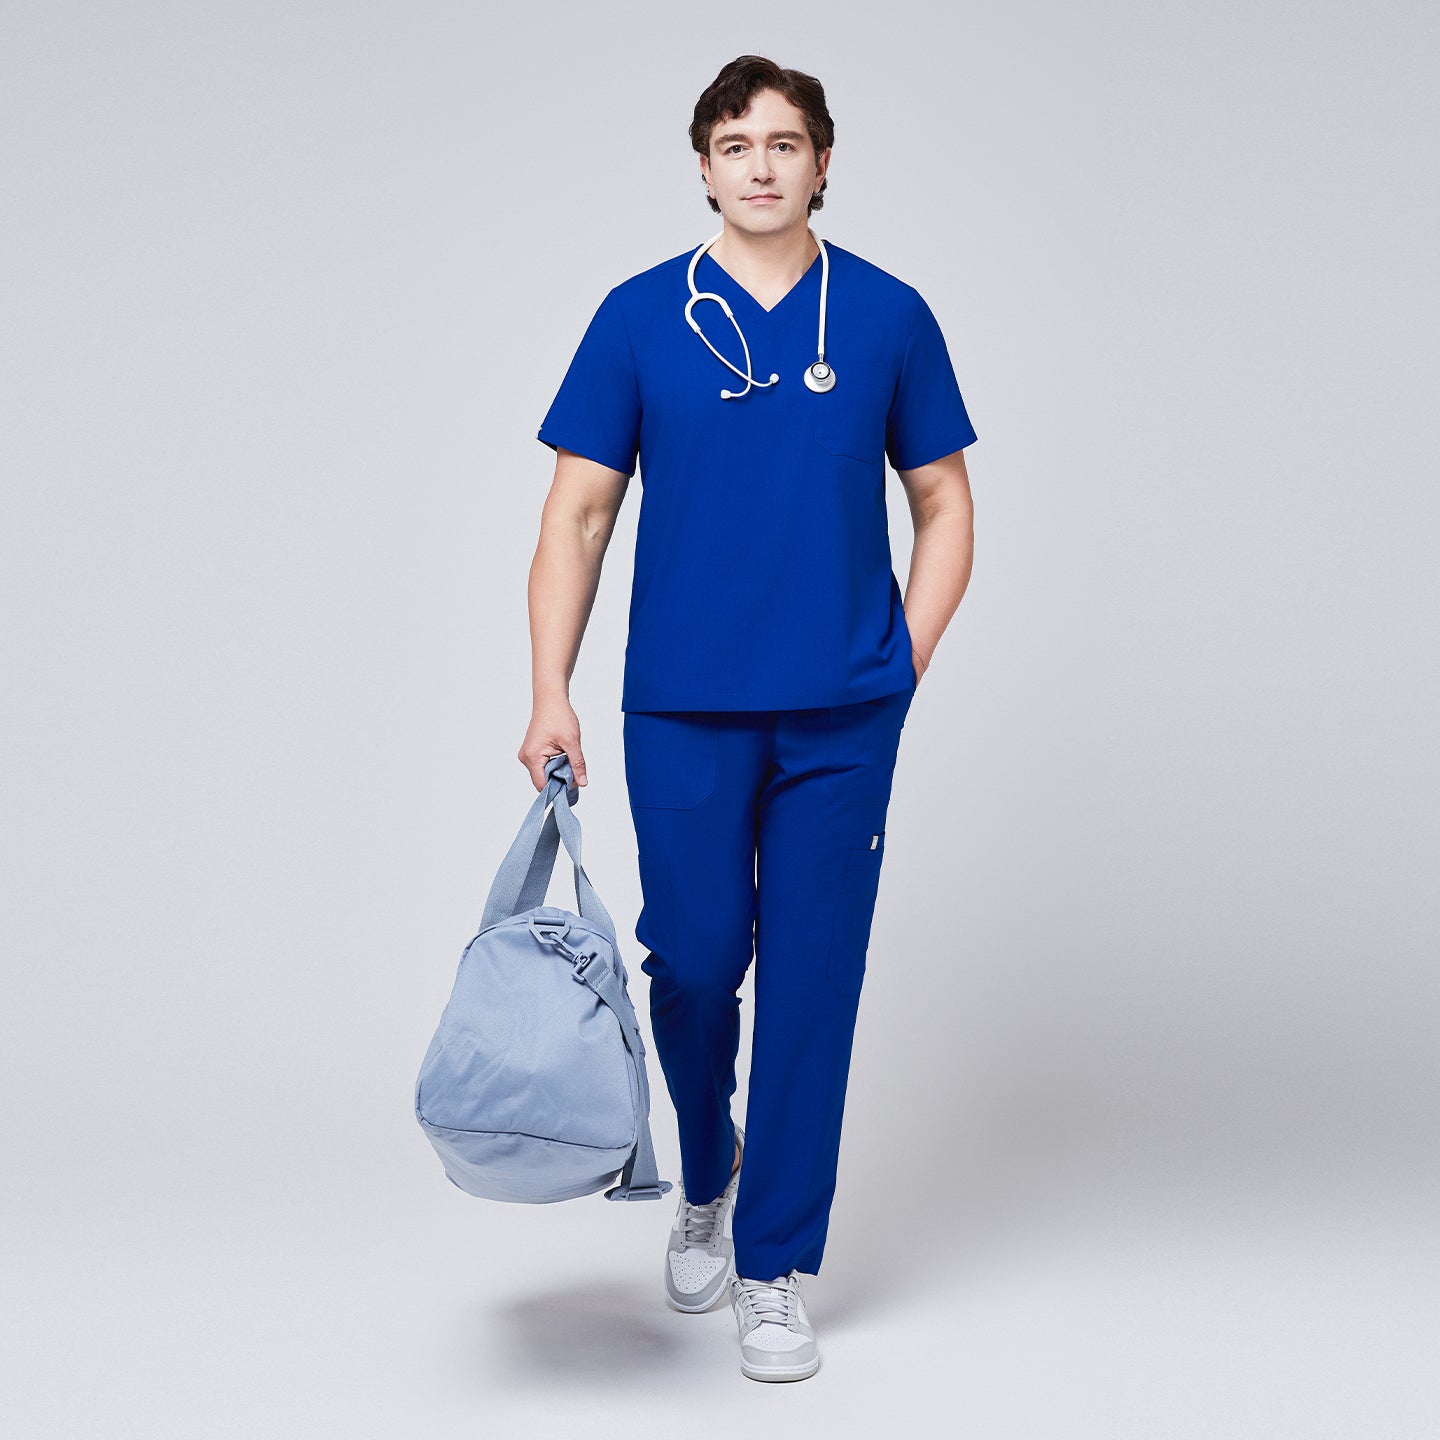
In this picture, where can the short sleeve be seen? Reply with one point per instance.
(596, 412)
(928, 418)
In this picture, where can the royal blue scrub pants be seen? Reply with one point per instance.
(761, 834)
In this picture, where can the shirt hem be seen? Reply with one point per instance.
(654, 701)
(960, 443)
(557, 438)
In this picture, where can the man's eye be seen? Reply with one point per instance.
(787, 144)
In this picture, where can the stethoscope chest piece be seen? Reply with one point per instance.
(820, 377)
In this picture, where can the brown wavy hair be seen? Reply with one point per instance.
(729, 94)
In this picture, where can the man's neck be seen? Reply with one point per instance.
(766, 265)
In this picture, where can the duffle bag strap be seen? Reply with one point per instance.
(640, 1179)
(524, 874)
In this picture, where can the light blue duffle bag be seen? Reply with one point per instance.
(534, 1087)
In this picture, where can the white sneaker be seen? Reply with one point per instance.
(777, 1340)
(700, 1255)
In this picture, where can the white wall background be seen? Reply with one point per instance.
(1141, 1130)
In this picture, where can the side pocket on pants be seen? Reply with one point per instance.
(854, 912)
(669, 759)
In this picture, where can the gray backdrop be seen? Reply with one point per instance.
(1141, 1141)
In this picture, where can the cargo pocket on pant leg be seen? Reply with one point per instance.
(854, 912)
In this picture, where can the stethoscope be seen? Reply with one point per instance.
(820, 377)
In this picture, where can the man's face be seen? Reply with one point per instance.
(764, 152)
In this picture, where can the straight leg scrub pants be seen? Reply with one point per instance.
(761, 834)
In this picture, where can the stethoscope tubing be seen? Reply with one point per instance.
(818, 370)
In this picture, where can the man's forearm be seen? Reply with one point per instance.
(564, 580)
(940, 565)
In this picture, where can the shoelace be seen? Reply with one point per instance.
(698, 1221)
(770, 1300)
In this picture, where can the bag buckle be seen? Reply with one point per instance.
(580, 964)
(551, 931)
(639, 1192)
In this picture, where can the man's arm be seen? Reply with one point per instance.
(576, 524)
(943, 513)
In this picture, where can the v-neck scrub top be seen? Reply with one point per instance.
(763, 576)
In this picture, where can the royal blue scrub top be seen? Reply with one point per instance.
(763, 576)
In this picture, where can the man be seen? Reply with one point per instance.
(770, 663)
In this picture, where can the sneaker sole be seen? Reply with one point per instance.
(788, 1372)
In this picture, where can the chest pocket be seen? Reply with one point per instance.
(851, 418)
